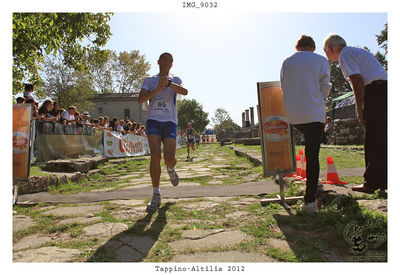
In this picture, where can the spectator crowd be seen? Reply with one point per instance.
(51, 111)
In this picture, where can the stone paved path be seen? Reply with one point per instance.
(196, 222)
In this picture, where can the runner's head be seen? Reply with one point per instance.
(165, 62)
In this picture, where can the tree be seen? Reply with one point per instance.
(191, 110)
(120, 73)
(67, 86)
(224, 125)
(340, 85)
(38, 34)
(382, 42)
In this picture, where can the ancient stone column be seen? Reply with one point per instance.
(251, 120)
(243, 120)
(252, 116)
(247, 118)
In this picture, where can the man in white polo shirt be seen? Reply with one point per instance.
(68, 116)
(369, 81)
(305, 85)
(162, 120)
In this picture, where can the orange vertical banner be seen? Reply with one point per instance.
(22, 115)
(276, 136)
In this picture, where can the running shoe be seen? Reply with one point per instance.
(154, 204)
(310, 208)
(173, 176)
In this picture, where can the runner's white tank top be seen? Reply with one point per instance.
(162, 106)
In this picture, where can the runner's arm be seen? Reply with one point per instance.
(178, 88)
(357, 82)
(144, 95)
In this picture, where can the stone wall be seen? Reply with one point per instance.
(343, 112)
(348, 131)
(60, 172)
(245, 133)
(345, 132)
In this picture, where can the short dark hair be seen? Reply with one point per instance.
(28, 87)
(20, 100)
(305, 41)
(30, 100)
(165, 54)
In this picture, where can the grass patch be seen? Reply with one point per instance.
(203, 180)
(282, 255)
(341, 158)
(37, 170)
(352, 179)
(160, 253)
(314, 234)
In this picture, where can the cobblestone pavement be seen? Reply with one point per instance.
(201, 220)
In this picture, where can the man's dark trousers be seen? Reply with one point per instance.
(375, 140)
(312, 134)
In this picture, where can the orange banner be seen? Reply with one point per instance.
(22, 114)
(276, 136)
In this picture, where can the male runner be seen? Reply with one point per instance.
(190, 135)
(162, 121)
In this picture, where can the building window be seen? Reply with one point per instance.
(100, 110)
(127, 113)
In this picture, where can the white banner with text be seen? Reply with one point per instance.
(118, 145)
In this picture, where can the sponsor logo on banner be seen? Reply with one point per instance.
(126, 145)
(276, 128)
(20, 142)
(118, 145)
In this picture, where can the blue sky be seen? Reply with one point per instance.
(221, 55)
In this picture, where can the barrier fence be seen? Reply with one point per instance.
(57, 141)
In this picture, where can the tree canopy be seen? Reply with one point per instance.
(121, 72)
(382, 42)
(224, 125)
(38, 34)
(191, 110)
(66, 85)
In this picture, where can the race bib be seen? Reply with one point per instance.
(162, 106)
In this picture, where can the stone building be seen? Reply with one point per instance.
(119, 105)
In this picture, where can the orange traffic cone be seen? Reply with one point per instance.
(298, 165)
(301, 155)
(303, 173)
(332, 176)
(298, 168)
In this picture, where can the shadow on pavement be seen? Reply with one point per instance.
(134, 244)
(343, 235)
